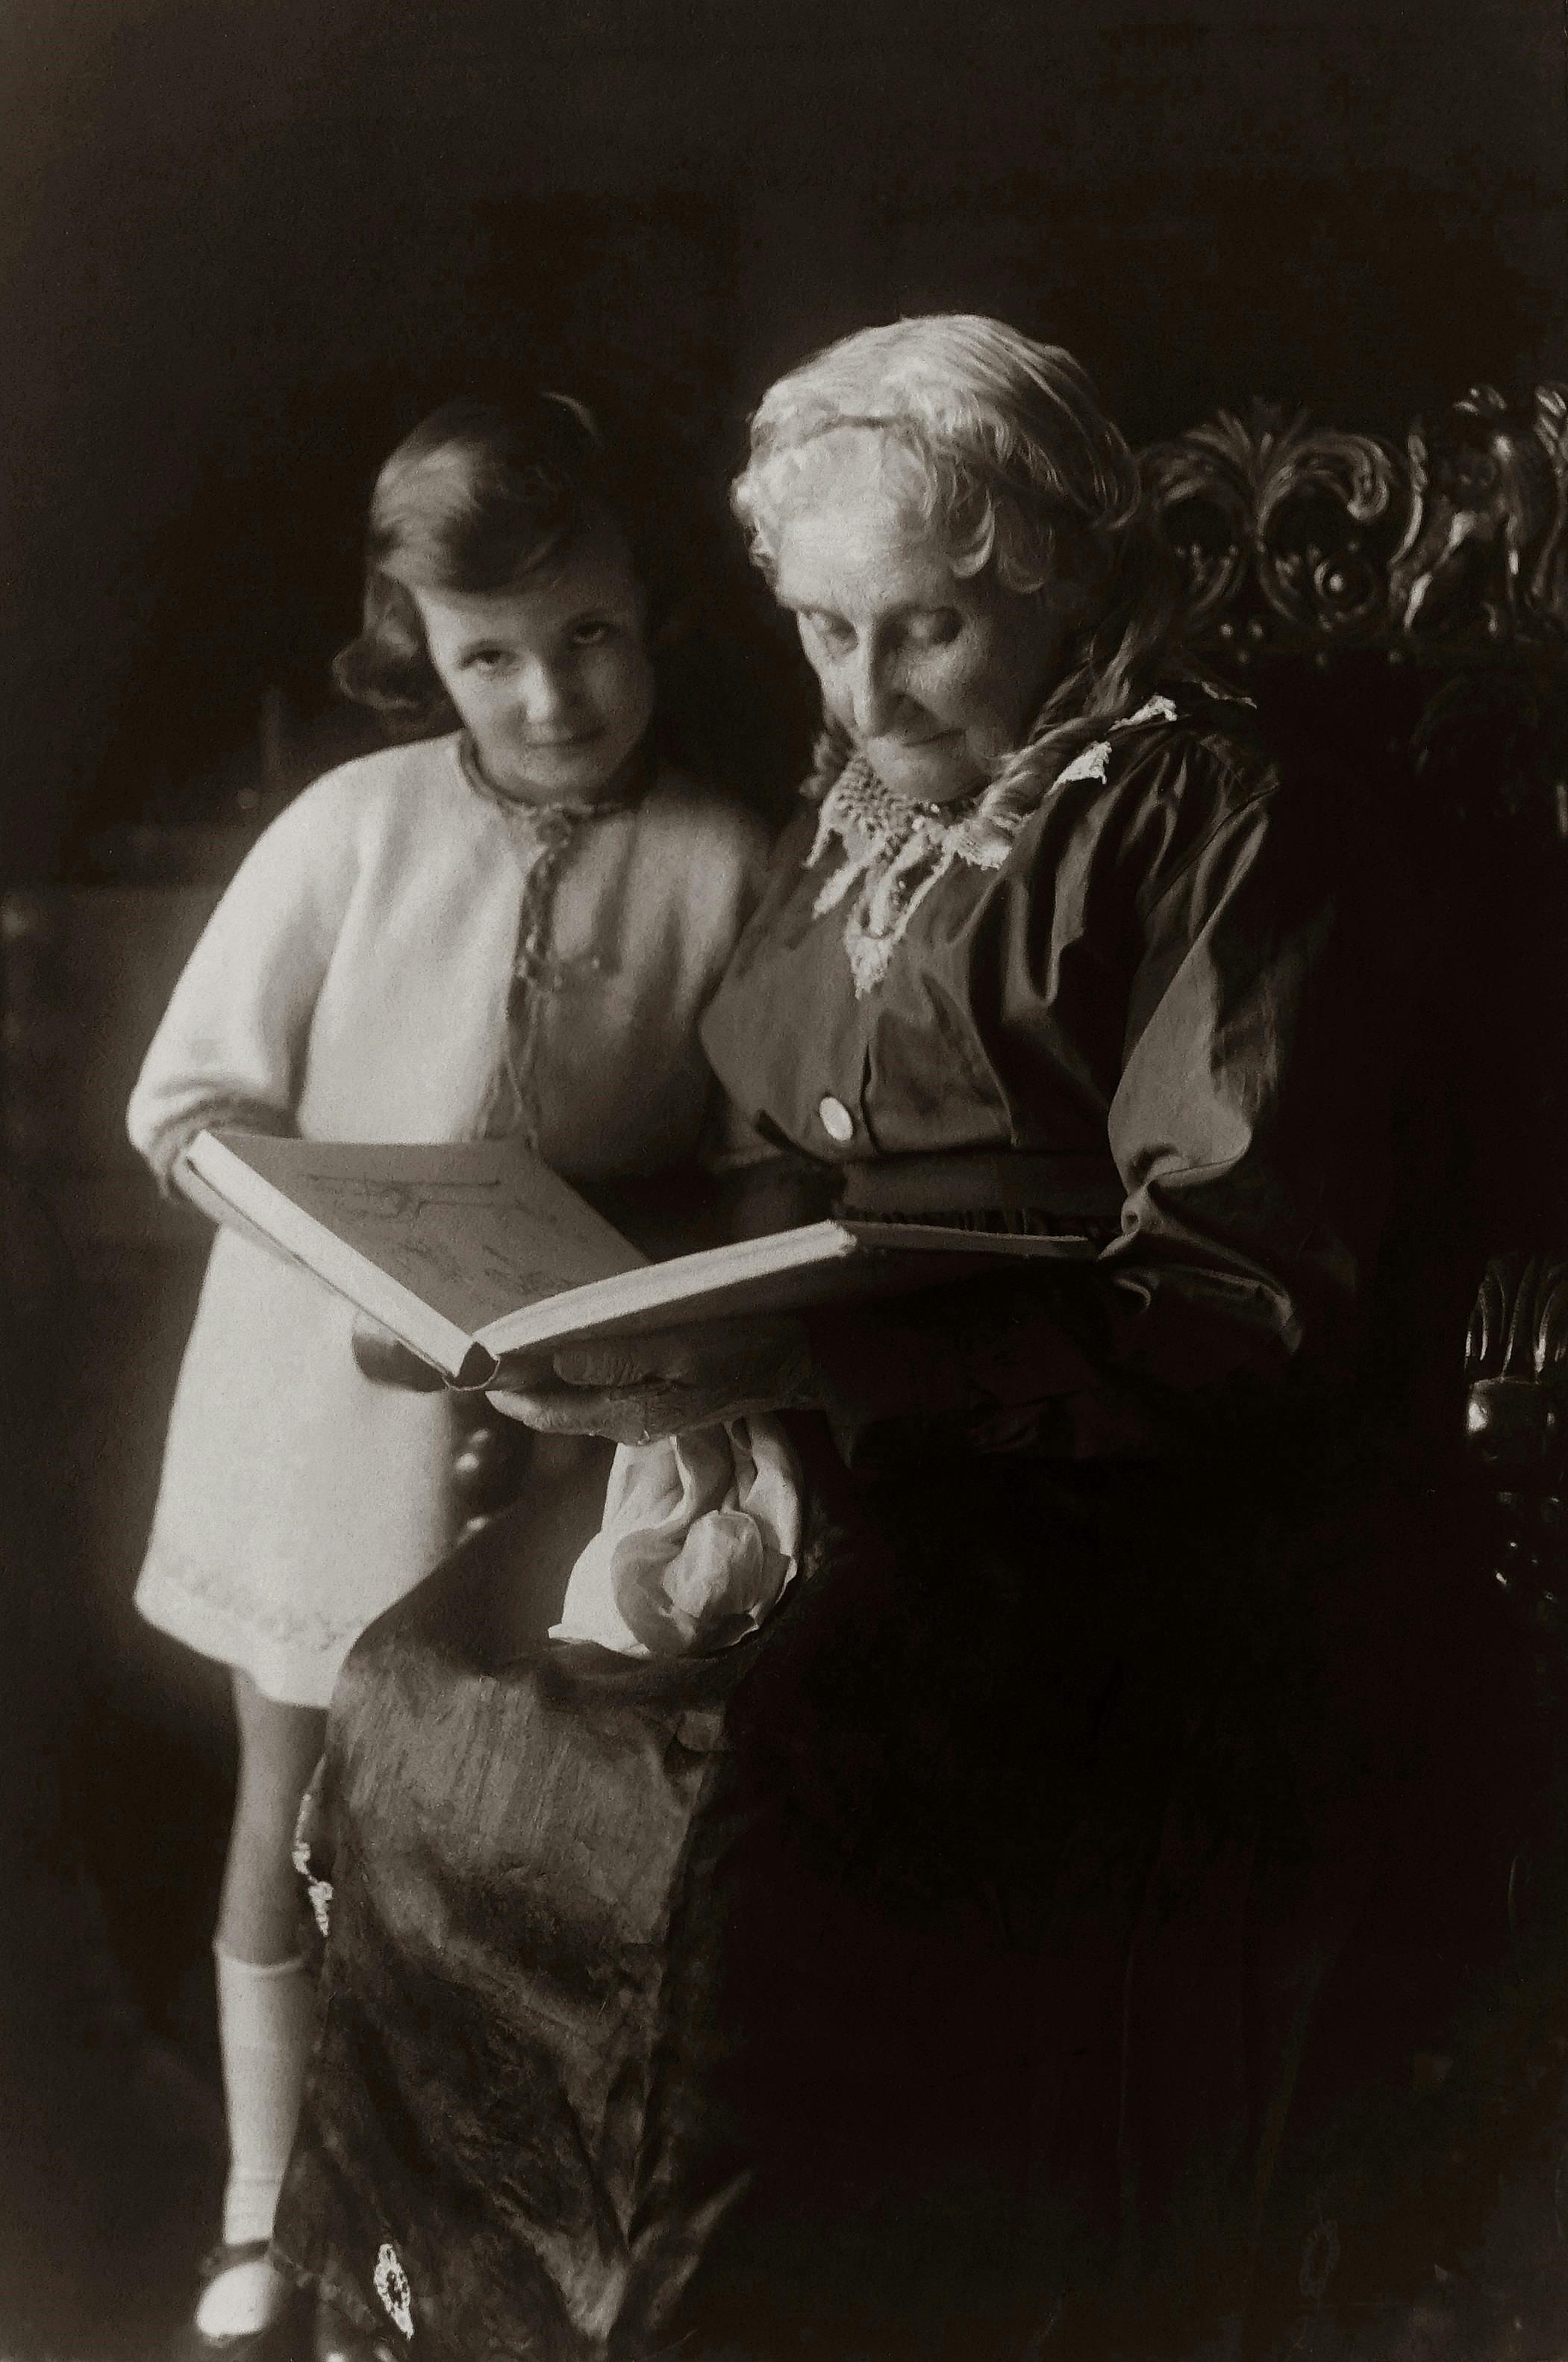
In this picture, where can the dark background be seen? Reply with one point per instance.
(243, 243)
(245, 240)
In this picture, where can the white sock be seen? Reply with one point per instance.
(264, 2037)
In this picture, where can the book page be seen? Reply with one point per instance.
(784, 1271)
(476, 1229)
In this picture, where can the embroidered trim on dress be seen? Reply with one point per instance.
(170, 1571)
(392, 2288)
(318, 1891)
(897, 852)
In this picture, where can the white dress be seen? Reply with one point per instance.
(399, 958)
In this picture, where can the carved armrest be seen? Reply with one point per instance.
(1517, 1430)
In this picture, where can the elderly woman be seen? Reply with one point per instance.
(926, 1974)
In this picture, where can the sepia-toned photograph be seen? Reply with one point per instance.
(783, 1181)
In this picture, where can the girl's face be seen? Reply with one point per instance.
(936, 676)
(551, 681)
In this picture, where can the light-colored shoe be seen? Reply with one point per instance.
(243, 2311)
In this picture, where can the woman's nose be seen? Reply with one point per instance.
(873, 695)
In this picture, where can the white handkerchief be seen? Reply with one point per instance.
(701, 1534)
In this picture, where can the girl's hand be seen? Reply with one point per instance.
(636, 1389)
(386, 1363)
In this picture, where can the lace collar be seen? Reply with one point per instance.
(895, 852)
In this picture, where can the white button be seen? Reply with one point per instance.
(837, 1121)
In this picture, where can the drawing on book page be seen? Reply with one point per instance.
(475, 1249)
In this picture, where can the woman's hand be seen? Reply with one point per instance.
(636, 1389)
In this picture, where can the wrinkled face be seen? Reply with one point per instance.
(936, 676)
(553, 681)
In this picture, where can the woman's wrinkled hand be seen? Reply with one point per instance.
(637, 1389)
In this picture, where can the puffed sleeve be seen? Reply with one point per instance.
(1247, 1133)
(231, 1043)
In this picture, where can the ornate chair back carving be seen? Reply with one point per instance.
(1409, 606)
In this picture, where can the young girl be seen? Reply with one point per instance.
(511, 928)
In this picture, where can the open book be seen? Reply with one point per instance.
(475, 1251)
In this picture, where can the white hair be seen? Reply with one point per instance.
(1016, 466)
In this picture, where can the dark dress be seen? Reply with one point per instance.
(928, 1976)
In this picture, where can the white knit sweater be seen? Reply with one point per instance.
(353, 985)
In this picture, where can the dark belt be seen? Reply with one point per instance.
(1088, 1187)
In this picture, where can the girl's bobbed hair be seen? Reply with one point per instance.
(478, 498)
(1015, 466)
